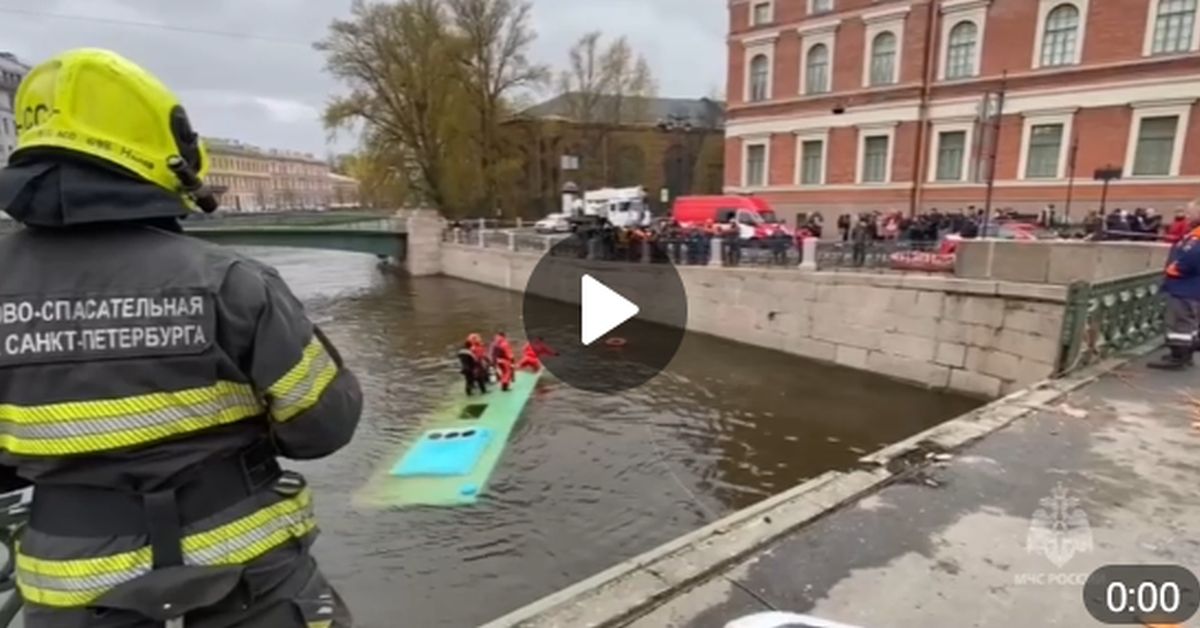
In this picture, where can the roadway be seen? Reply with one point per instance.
(1003, 534)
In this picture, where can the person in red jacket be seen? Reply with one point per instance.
(1178, 228)
(502, 357)
(531, 354)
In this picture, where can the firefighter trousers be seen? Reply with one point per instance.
(283, 592)
(1183, 322)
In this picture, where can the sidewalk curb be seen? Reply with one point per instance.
(636, 586)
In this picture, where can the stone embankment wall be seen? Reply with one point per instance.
(1056, 262)
(976, 336)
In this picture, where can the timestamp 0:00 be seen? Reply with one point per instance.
(1141, 594)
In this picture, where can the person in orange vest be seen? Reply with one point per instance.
(502, 357)
(529, 358)
(473, 372)
(1181, 285)
(531, 354)
(477, 349)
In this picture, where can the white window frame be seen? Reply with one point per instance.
(892, 21)
(764, 45)
(1152, 19)
(812, 135)
(765, 142)
(1044, 9)
(1179, 107)
(770, 12)
(875, 130)
(1065, 117)
(954, 12)
(811, 7)
(811, 35)
(947, 126)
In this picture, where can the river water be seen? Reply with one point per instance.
(588, 480)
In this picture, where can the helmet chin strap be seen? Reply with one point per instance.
(200, 193)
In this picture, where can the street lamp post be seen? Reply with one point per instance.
(681, 125)
(1071, 176)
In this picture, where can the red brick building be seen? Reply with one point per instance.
(874, 104)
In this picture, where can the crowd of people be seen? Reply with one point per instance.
(896, 225)
(482, 364)
(680, 244)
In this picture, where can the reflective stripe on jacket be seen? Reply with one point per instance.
(130, 357)
(70, 582)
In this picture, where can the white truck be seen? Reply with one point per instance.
(622, 207)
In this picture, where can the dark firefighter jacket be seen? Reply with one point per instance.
(132, 359)
(1183, 268)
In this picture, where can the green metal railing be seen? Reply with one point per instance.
(1106, 318)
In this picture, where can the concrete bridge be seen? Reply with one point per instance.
(411, 238)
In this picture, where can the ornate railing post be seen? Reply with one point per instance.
(1074, 323)
(1108, 317)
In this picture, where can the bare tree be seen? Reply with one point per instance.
(496, 38)
(629, 84)
(583, 82)
(396, 58)
(605, 89)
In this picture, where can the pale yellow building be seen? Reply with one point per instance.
(253, 179)
(346, 193)
(242, 174)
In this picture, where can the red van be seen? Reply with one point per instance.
(754, 215)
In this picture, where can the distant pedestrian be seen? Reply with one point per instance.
(1178, 228)
(860, 236)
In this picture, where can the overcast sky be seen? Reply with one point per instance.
(269, 88)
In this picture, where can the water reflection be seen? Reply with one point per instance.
(587, 479)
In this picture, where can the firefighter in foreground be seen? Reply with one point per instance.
(148, 380)
(1182, 288)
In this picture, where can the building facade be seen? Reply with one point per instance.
(851, 105)
(12, 71)
(346, 192)
(670, 146)
(252, 179)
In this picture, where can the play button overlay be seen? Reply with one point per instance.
(601, 310)
(614, 325)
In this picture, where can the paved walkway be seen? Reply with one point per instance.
(952, 546)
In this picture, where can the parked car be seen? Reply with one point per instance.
(554, 223)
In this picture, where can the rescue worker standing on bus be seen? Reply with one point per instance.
(1182, 288)
(148, 380)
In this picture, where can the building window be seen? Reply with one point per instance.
(812, 169)
(756, 165)
(1155, 146)
(952, 147)
(883, 59)
(816, 70)
(1061, 36)
(960, 53)
(1173, 26)
(820, 6)
(759, 77)
(1045, 148)
(875, 152)
(761, 14)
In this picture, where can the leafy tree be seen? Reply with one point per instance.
(381, 176)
